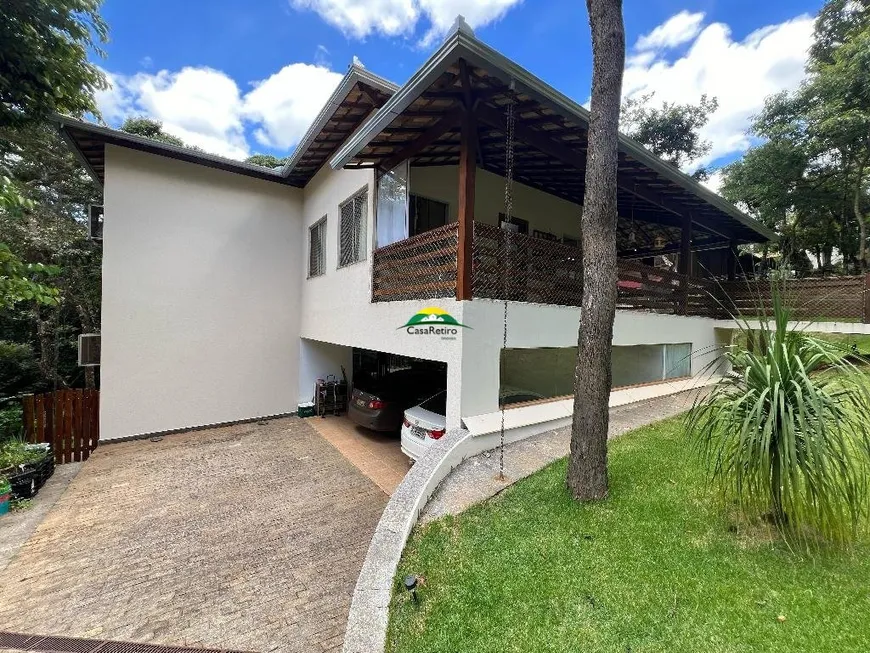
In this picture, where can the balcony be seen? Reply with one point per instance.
(521, 268)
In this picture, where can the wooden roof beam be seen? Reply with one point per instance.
(450, 120)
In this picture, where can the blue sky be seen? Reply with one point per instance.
(194, 63)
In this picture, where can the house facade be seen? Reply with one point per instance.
(229, 289)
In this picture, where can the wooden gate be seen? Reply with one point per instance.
(69, 420)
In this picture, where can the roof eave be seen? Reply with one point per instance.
(355, 73)
(141, 143)
(461, 43)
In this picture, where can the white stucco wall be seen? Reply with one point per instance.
(201, 295)
(336, 307)
(317, 360)
(543, 212)
(535, 325)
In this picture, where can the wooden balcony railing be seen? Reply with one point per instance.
(522, 268)
(420, 267)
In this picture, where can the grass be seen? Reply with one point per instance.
(844, 340)
(657, 567)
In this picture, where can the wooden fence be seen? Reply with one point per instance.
(69, 420)
(823, 298)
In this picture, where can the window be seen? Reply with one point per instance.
(426, 214)
(316, 249)
(352, 229)
(391, 214)
(548, 372)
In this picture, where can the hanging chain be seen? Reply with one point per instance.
(508, 212)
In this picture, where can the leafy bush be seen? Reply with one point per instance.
(11, 422)
(19, 371)
(788, 437)
(15, 452)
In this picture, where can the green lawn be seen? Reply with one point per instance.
(655, 568)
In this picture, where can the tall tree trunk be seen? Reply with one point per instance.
(46, 333)
(856, 208)
(587, 467)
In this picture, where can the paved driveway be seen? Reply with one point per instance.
(248, 537)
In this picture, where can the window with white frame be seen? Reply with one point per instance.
(352, 229)
(317, 248)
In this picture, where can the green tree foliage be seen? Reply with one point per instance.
(267, 160)
(150, 128)
(18, 281)
(44, 65)
(44, 191)
(52, 231)
(787, 436)
(671, 131)
(809, 178)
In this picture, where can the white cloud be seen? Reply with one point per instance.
(358, 62)
(204, 107)
(321, 56)
(740, 74)
(361, 18)
(286, 103)
(714, 183)
(201, 106)
(676, 30)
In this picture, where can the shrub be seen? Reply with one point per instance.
(19, 371)
(11, 422)
(788, 437)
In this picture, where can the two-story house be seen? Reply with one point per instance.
(228, 289)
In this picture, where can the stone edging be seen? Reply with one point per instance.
(369, 609)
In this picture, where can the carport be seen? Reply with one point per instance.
(378, 455)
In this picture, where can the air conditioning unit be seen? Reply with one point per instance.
(89, 349)
(95, 221)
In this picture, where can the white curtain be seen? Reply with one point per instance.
(392, 206)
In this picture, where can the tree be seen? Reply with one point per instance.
(671, 131)
(810, 177)
(150, 128)
(838, 111)
(44, 67)
(267, 160)
(51, 231)
(587, 466)
(18, 281)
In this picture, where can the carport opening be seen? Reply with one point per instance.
(386, 385)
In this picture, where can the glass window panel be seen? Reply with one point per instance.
(391, 213)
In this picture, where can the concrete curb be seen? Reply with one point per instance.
(369, 609)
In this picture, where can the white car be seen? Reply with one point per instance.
(427, 421)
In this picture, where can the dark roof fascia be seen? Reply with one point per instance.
(135, 142)
(78, 154)
(460, 44)
(355, 73)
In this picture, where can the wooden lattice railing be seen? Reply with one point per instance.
(420, 267)
(522, 268)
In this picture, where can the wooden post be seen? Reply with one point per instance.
(685, 267)
(866, 298)
(467, 173)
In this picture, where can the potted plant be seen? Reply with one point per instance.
(25, 466)
(5, 495)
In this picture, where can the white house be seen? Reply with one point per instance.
(228, 288)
